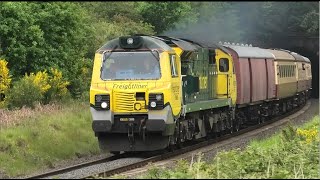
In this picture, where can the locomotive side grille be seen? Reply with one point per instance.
(124, 102)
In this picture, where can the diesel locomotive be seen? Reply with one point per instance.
(155, 92)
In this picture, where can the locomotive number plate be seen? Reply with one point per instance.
(126, 119)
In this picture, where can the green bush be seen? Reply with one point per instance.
(81, 78)
(24, 93)
(292, 154)
(40, 87)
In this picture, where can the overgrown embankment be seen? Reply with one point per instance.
(293, 153)
(44, 137)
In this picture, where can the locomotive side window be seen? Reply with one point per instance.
(223, 65)
(174, 72)
(212, 59)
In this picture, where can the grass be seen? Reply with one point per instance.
(292, 153)
(45, 138)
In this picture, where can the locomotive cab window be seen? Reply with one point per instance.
(223, 65)
(173, 64)
(212, 59)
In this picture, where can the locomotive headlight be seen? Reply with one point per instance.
(104, 105)
(156, 101)
(153, 104)
(102, 102)
(129, 40)
(159, 97)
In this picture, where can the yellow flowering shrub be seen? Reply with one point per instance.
(5, 80)
(308, 135)
(29, 90)
(58, 85)
(41, 87)
(41, 79)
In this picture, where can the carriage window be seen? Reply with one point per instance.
(293, 71)
(303, 67)
(223, 65)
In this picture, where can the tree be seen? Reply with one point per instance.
(113, 19)
(57, 35)
(163, 15)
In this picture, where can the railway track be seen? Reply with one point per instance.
(162, 155)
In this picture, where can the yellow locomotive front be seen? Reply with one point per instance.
(135, 94)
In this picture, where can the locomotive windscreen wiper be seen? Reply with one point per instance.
(110, 52)
(106, 57)
(151, 51)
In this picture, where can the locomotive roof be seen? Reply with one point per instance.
(250, 52)
(192, 44)
(186, 46)
(148, 43)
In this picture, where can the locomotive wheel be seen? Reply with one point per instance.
(176, 142)
(236, 126)
(230, 126)
(173, 141)
(262, 119)
(230, 129)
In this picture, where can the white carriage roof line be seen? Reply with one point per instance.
(281, 53)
